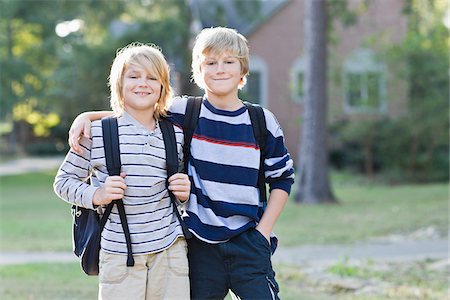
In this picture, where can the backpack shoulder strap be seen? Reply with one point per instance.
(191, 115)
(258, 120)
(170, 146)
(110, 130)
(111, 145)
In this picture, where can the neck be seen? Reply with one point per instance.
(146, 119)
(228, 102)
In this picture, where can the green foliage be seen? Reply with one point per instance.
(413, 146)
(67, 74)
(343, 268)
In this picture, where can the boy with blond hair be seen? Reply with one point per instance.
(140, 94)
(231, 247)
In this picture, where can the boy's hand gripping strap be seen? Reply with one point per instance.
(113, 164)
(170, 145)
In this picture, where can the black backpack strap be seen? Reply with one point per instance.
(170, 145)
(258, 121)
(110, 131)
(191, 115)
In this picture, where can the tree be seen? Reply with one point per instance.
(423, 57)
(313, 170)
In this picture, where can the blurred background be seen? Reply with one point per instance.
(384, 131)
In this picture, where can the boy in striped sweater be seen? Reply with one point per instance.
(140, 93)
(231, 248)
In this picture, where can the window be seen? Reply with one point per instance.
(364, 83)
(253, 87)
(255, 90)
(297, 79)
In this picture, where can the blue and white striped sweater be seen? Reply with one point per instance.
(224, 167)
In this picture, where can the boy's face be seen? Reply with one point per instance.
(141, 90)
(221, 74)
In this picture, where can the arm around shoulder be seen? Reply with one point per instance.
(81, 126)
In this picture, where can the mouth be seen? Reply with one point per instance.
(142, 93)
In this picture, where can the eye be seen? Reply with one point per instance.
(210, 63)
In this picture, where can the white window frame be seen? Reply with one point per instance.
(298, 67)
(257, 64)
(361, 62)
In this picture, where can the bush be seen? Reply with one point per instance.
(46, 148)
(390, 149)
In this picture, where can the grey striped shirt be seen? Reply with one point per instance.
(153, 226)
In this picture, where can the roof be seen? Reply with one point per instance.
(244, 16)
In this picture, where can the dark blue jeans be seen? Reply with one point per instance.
(242, 265)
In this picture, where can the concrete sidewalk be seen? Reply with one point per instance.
(400, 251)
(30, 164)
(303, 255)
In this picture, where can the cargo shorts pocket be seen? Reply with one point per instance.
(177, 258)
(112, 268)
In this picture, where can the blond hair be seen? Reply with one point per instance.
(152, 60)
(219, 40)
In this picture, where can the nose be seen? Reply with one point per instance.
(143, 81)
(220, 67)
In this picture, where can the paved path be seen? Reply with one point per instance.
(401, 251)
(30, 164)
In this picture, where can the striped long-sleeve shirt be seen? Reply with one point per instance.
(153, 226)
(223, 169)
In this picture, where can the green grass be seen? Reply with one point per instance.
(32, 217)
(46, 281)
(363, 212)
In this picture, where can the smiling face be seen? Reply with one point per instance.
(221, 75)
(139, 80)
(141, 90)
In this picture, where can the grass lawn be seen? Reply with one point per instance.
(363, 212)
(46, 281)
(32, 218)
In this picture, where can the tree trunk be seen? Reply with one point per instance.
(368, 155)
(313, 170)
(9, 106)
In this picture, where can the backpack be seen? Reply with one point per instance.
(258, 121)
(87, 225)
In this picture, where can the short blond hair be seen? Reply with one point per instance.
(149, 57)
(219, 40)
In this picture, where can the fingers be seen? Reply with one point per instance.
(181, 196)
(80, 126)
(180, 186)
(73, 141)
(87, 129)
(113, 189)
(114, 182)
(176, 176)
